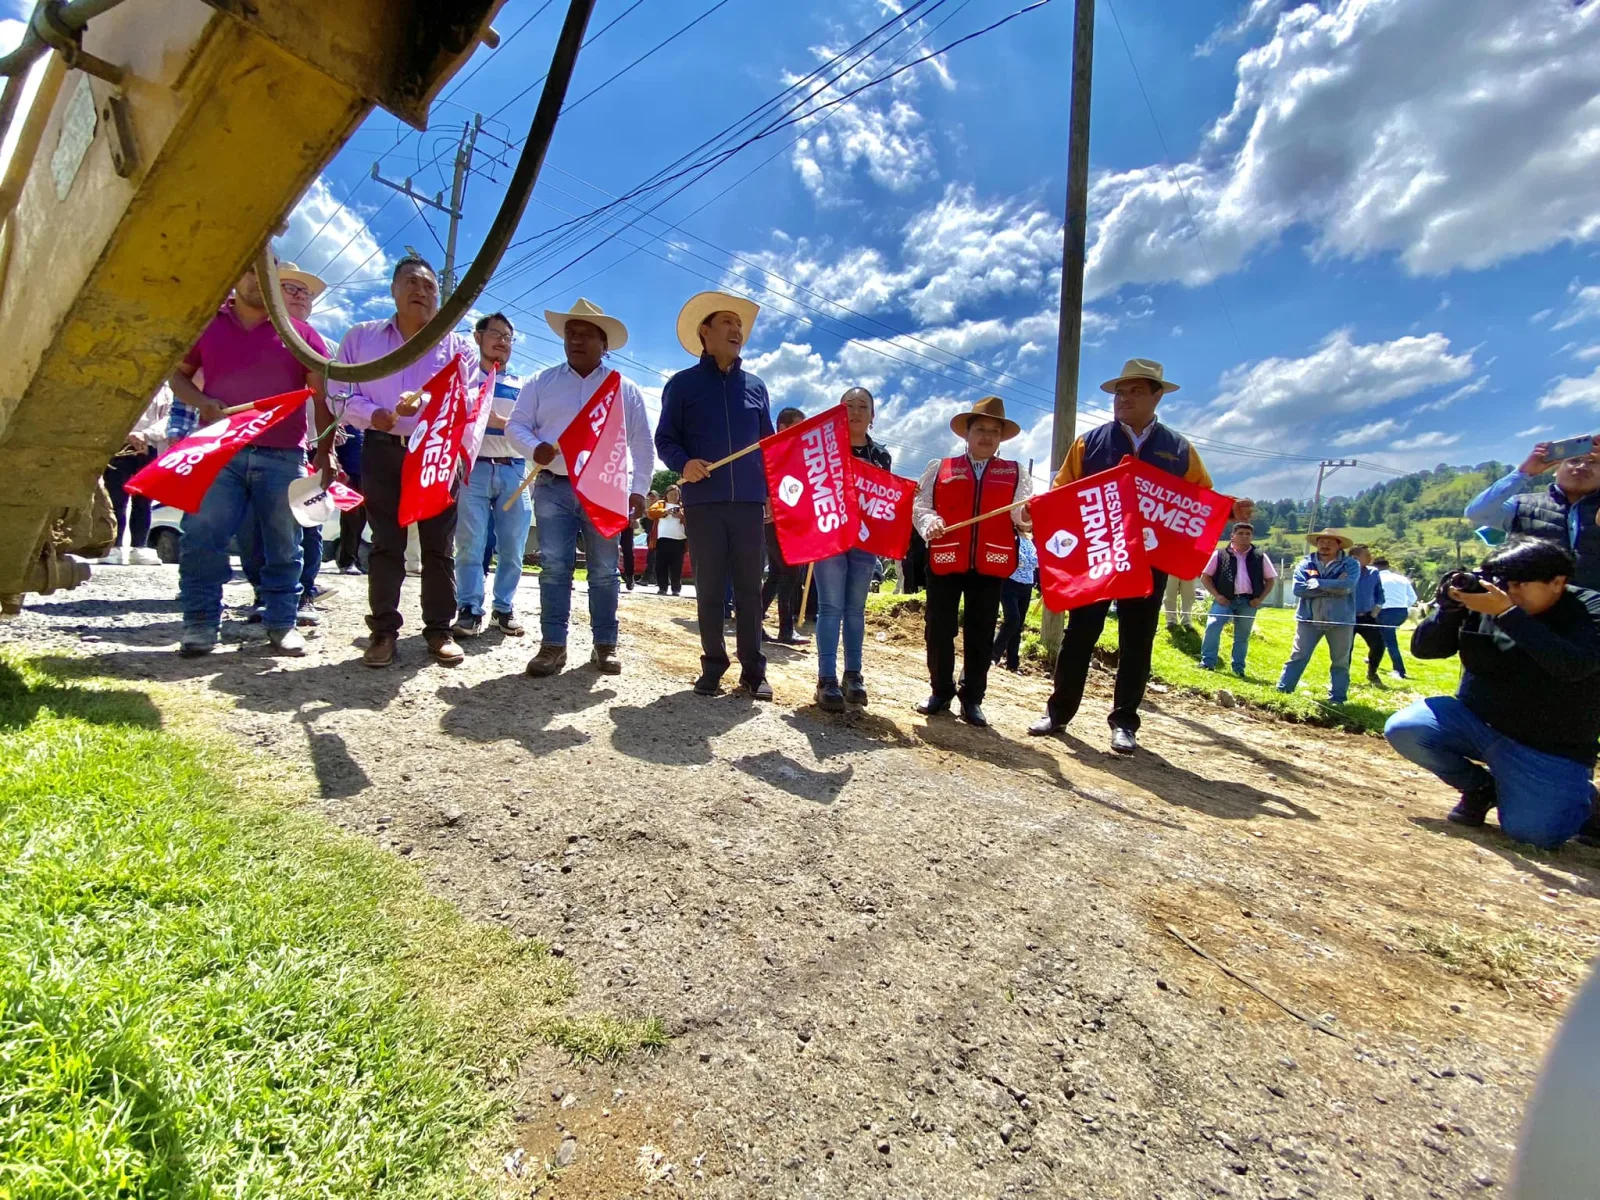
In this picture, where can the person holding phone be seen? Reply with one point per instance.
(1567, 512)
(671, 540)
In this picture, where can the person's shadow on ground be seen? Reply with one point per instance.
(523, 709)
(20, 702)
(676, 729)
(1583, 861)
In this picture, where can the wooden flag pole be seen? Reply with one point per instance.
(722, 462)
(999, 512)
(805, 596)
(526, 484)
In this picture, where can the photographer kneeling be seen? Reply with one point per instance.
(1528, 708)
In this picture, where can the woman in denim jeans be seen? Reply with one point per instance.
(843, 582)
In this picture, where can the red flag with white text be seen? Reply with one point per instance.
(433, 462)
(811, 487)
(181, 476)
(885, 502)
(480, 404)
(595, 449)
(1182, 520)
(1090, 539)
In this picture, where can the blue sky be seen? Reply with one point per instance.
(1365, 228)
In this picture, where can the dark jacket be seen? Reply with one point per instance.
(1369, 591)
(1535, 680)
(709, 414)
(1547, 515)
(1228, 567)
(875, 453)
(1104, 447)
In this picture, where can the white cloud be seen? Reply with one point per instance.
(1573, 393)
(1256, 14)
(345, 248)
(1433, 440)
(1587, 353)
(1461, 393)
(1286, 403)
(1534, 431)
(1585, 306)
(1454, 133)
(1367, 435)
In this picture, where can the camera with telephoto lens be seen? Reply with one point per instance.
(1461, 581)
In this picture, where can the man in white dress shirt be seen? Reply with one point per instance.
(543, 412)
(497, 474)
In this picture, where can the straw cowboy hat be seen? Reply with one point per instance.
(1344, 542)
(616, 332)
(989, 406)
(1141, 368)
(694, 314)
(289, 273)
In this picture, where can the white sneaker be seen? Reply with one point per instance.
(143, 556)
(113, 558)
(288, 642)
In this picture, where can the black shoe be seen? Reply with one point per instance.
(759, 689)
(932, 706)
(972, 714)
(1123, 741)
(508, 624)
(829, 697)
(1473, 807)
(468, 624)
(1045, 726)
(855, 691)
(792, 639)
(708, 685)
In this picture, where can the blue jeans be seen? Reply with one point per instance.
(1306, 636)
(479, 513)
(842, 584)
(253, 488)
(1243, 618)
(253, 555)
(1543, 798)
(1391, 619)
(561, 521)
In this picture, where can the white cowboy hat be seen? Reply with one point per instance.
(694, 314)
(616, 332)
(1344, 542)
(288, 272)
(1141, 368)
(309, 502)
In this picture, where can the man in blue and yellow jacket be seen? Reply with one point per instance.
(1138, 390)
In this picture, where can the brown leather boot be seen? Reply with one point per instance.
(380, 650)
(444, 650)
(605, 660)
(548, 661)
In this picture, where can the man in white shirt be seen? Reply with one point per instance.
(496, 478)
(543, 412)
(1399, 598)
(1239, 578)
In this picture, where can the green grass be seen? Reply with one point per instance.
(1525, 958)
(1175, 661)
(205, 993)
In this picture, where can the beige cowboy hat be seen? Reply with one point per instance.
(616, 332)
(1141, 368)
(989, 406)
(694, 314)
(289, 273)
(1344, 542)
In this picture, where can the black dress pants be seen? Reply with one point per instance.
(382, 456)
(1370, 632)
(1137, 622)
(1015, 599)
(783, 584)
(976, 624)
(726, 540)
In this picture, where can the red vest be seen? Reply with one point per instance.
(989, 547)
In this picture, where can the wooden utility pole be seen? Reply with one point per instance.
(1075, 233)
(458, 193)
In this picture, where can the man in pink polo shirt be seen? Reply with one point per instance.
(371, 407)
(242, 360)
(1239, 578)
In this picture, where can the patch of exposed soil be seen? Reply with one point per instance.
(909, 958)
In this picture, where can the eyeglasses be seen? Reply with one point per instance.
(296, 290)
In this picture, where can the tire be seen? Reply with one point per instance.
(166, 543)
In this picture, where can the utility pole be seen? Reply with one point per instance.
(458, 194)
(1326, 467)
(1075, 233)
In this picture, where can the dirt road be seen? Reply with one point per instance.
(904, 958)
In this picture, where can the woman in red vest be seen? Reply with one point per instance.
(973, 563)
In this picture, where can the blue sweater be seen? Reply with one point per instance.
(709, 414)
(1327, 591)
(1369, 591)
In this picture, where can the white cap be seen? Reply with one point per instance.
(310, 503)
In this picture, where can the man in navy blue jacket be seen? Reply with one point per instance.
(708, 412)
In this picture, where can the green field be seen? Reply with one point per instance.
(208, 994)
(1176, 662)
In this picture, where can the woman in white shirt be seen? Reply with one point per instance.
(672, 539)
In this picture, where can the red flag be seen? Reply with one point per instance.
(885, 502)
(479, 408)
(434, 454)
(1182, 520)
(182, 475)
(595, 447)
(811, 485)
(1090, 541)
(345, 498)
